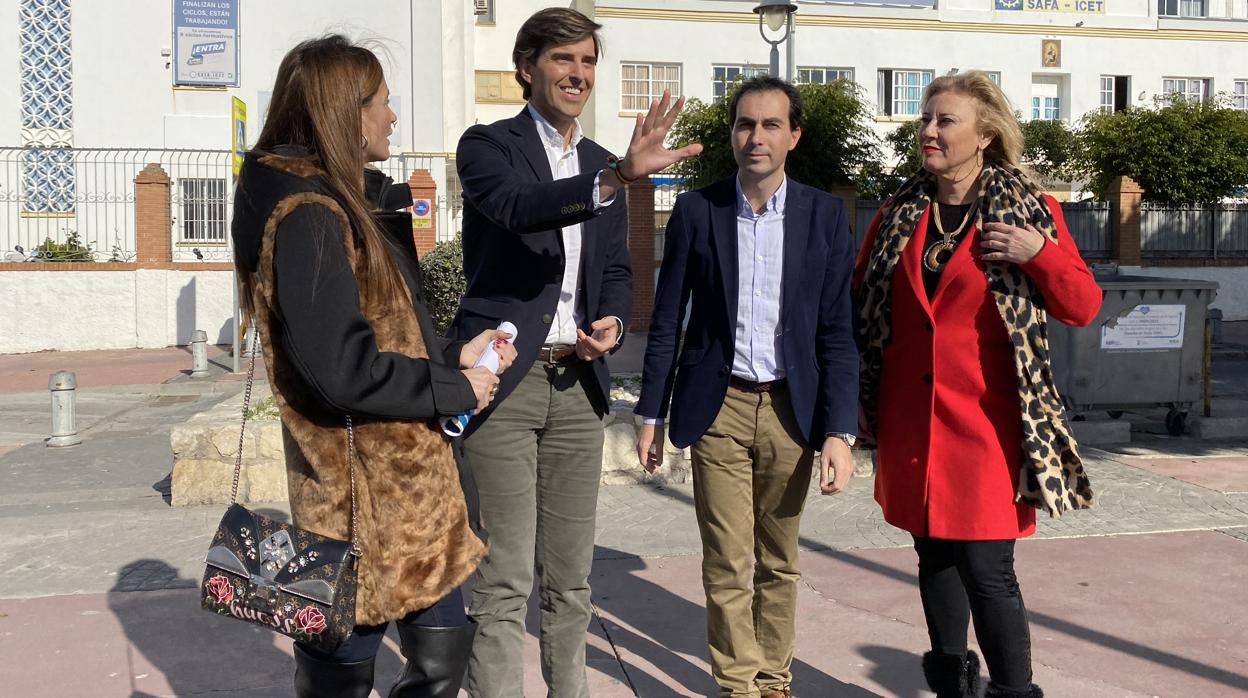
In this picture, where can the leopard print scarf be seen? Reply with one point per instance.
(1052, 477)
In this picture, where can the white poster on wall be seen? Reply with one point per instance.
(205, 42)
(1146, 327)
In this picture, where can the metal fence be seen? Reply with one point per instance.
(1206, 231)
(77, 204)
(863, 213)
(1198, 231)
(1091, 225)
(441, 166)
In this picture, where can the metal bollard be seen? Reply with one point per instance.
(63, 386)
(199, 354)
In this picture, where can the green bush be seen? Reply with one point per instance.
(1048, 147)
(72, 250)
(444, 284)
(1180, 152)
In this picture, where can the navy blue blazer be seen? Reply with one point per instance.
(816, 318)
(513, 249)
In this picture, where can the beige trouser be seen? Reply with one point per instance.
(751, 471)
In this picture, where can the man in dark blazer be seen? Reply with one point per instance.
(545, 247)
(767, 374)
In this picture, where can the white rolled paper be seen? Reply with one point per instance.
(454, 426)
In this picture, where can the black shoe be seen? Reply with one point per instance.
(995, 692)
(436, 660)
(952, 676)
(315, 678)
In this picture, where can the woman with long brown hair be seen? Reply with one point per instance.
(328, 273)
(960, 271)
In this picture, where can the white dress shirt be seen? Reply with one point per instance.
(759, 342)
(564, 163)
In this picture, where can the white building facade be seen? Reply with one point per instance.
(94, 95)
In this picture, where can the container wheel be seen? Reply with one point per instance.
(1114, 414)
(1176, 422)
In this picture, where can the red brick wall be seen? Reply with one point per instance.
(641, 251)
(1125, 197)
(152, 217)
(423, 187)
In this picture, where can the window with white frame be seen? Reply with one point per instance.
(1189, 89)
(1115, 92)
(203, 209)
(641, 83)
(726, 75)
(994, 76)
(900, 91)
(1048, 93)
(822, 76)
(1181, 8)
(1046, 108)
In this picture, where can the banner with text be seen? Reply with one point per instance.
(205, 42)
(1083, 7)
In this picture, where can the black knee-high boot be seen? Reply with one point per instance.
(952, 676)
(436, 660)
(315, 678)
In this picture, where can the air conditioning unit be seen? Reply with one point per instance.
(481, 7)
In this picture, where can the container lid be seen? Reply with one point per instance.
(1123, 282)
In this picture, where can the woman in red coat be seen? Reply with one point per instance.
(953, 284)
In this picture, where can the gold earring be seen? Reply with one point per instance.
(365, 145)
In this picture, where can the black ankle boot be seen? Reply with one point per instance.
(995, 692)
(315, 678)
(436, 660)
(951, 676)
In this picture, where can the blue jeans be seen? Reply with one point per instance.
(365, 640)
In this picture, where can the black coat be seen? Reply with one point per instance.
(324, 331)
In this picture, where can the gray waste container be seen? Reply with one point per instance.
(1144, 349)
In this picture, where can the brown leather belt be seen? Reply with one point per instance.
(752, 387)
(556, 353)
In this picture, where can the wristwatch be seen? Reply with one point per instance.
(849, 439)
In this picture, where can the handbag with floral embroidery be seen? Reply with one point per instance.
(279, 576)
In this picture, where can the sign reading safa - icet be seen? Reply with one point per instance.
(1086, 7)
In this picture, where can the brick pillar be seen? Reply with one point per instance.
(1124, 198)
(424, 224)
(641, 228)
(153, 232)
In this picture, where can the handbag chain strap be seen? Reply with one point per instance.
(242, 431)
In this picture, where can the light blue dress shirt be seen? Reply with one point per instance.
(759, 342)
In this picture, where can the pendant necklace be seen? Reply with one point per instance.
(939, 252)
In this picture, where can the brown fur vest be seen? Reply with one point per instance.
(414, 536)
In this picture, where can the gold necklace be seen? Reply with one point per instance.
(938, 254)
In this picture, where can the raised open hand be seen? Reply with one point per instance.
(647, 150)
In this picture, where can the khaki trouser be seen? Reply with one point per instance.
(537, 461)
(751, 472)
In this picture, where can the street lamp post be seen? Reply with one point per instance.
(777, 15)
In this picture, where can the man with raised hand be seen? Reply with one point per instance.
(545, 247)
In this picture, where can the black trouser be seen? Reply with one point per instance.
(365, 640)
(961, 580)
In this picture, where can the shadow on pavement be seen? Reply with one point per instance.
(196, 651)
(664, 628)
(1050, 622)
(201, 652)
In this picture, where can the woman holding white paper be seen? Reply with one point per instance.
(328, 272)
